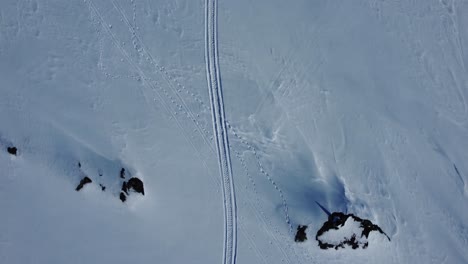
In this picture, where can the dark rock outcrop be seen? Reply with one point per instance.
(124, 187)
(12, 150)
(122, 197)
(355, 239)
(122, 173)
(83, 182)
(301, 235)
(134, 184)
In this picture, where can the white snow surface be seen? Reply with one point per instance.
(359, 105)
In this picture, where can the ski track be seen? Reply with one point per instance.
(220, 131)
(278, 239)
(139, 47)
(258, 212)
(149, 85)
(142, 51)
(266, 174)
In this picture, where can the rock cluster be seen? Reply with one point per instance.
(134, 184)
(341, 230)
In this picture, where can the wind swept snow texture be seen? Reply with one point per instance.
(360, 105)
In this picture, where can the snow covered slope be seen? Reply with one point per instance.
(237, 116)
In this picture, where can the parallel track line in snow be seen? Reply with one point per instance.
(220, 132)
(146, 81)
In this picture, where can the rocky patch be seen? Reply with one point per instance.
(346, 230)
(110, 182)
(134, 185)
(83, 182)
(122, 197)
(301, 235)
(12, 150)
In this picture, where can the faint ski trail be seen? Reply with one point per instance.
(220, 131)
(147, 80)
(257, 211)
(252, 244)
(140, 49)
(266, 174)
(262, 218)
(146, 83)
(143, 52)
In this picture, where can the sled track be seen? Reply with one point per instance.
(220, 131)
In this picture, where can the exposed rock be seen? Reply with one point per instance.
(122, 173)
(103, 188)
(122, 197)
(136, 184)
(333, 235)
(83, 182)
(124, 187)
(12, 150)
(301, 235)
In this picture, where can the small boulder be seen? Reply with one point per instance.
(136, 184)
(12, 150)
(122, 197)
(124, 187)
(301, 235)
(83, 182)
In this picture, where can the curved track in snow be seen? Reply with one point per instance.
(220, 131)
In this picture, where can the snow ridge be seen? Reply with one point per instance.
(220, 131)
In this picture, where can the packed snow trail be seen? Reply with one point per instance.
(220, 132)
